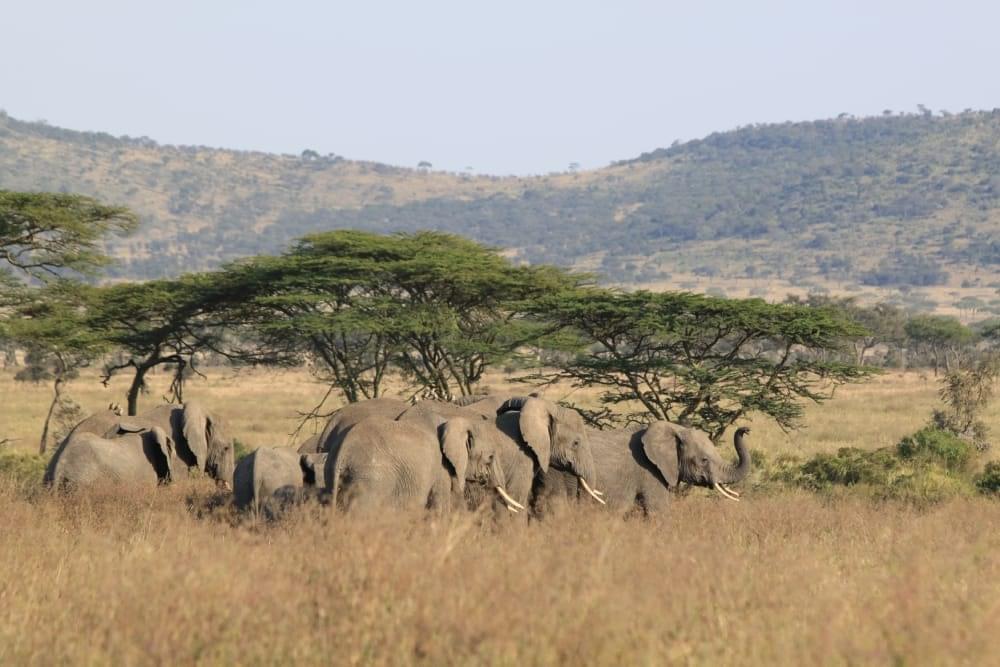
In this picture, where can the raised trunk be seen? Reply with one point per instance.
(732, 474)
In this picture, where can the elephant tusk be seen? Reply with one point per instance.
(512, 509)
(735, 493)
(723, 492)
(507, 499)
(586, 487)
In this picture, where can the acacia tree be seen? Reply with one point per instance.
(436, 307)
(699, 360)
(942, 337)
(46, 234)
(51, 324)
(315, 304)
(461, 308)
(155, 323)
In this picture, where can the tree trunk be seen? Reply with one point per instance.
(56, 395)
(138, 381)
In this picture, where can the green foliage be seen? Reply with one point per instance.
(696, 359)
(966, 392)
(240, 450)
(22, 469)
(927, 467)
(438, 308)
(988, 481)
(44, 233)
(155, 323)
(932, 446)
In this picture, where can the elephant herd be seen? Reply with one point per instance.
(519, 455)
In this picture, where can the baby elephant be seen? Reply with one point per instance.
(268, 469)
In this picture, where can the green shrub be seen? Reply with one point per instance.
(22, 468)
(925, 486)
(930, 445)
(989, 480)
(239, 449)
(849, 466)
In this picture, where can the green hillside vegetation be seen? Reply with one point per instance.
(910, 200)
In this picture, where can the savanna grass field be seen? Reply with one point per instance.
(787, 576)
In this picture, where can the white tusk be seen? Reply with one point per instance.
(507, 499)
(586, 487)
(512, 509)
(735, 493)
(723, 492)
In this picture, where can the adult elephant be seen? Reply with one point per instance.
(346, 417)
(528, 434)
(266, 469)
(384, 464)
(198, 436)
(98, 424)
(638, 468)
(139, 456)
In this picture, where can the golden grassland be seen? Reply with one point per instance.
(125, 577)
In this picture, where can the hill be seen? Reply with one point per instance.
(899, 200)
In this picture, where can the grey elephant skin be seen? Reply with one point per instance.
(198, 436)
(146, 457)
(382, 463)
(263, 471)
(527, 434)
(638, 468)
(346, 417)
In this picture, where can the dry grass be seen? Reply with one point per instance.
(139, 579)
(108, 577)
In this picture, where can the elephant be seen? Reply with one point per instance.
(281, 500)
(639, 467)
(527, 434)
(346, 417)
(98, 424)
(382, 463)
(140, 456)
(198, 436)
(310, 445)
(261, 472)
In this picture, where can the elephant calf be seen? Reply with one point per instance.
(267, 469)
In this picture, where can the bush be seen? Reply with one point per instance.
(930, 445)
(239, 450)
(22, 468)
(989, 480)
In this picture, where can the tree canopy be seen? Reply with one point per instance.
(700, 360)
(47, 234)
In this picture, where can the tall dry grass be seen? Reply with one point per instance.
(173, 576)
(113, 578)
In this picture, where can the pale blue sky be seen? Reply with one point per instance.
(503, 87)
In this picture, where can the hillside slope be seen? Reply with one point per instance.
(911, 199)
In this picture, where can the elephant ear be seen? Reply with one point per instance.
(456, 442)
(165, 447)
(660, 442)
(196, 426)
(536, 423)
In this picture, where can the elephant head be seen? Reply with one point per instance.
(472, 453)
(684, 454)
(213, 453)
(556, 435)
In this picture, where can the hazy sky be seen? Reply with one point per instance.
(502, 87)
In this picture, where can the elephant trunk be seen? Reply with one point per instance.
(732, 474)
(586, 471)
